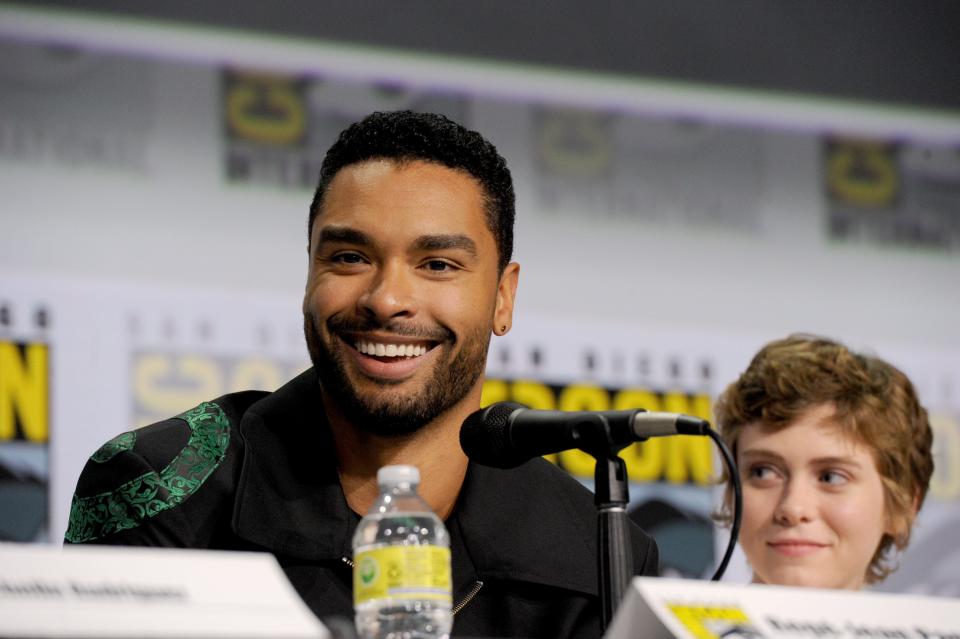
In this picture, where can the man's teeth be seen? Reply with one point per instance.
(390, 350)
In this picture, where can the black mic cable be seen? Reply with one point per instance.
(737, 503)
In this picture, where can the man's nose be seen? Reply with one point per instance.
(391, 293)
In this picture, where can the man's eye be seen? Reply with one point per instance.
(347, 258)
(438, 266)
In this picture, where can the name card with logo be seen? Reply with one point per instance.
(103, 591)
(667, 608)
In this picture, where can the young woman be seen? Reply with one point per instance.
(833, 450)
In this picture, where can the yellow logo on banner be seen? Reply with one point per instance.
(165, 384)
(402, 572)
(265, 108)
(862, 173)
(714, 622)
(945, 483)
(576, 142)
(677, 460)
(24, 392)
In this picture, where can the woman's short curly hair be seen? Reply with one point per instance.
(875, 405)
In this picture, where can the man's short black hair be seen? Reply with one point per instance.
(405, 136)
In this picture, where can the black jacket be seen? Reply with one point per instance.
(257, 471)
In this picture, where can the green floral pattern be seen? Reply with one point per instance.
(151, 493)
(115, 446)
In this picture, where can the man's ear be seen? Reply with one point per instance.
(506, 296)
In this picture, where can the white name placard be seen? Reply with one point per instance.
(105, 591)
(667, 608)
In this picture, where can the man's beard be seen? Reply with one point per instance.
(378, 413)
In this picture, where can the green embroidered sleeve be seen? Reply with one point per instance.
(137, 500)
(114, 447)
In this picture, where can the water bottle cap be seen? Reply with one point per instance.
(399, 474)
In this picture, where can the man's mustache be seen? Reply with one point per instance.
(340, 325)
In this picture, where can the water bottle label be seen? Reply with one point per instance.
(402, 572)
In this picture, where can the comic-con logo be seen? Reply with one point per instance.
(715, 622)
(862, 173)
(24, 391)
(684, 459)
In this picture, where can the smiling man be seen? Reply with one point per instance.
(410, 243)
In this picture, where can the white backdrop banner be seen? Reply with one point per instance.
(82, 361)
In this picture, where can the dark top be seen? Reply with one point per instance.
(257, 471)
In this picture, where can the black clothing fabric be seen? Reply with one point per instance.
(528, 534)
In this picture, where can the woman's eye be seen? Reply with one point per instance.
(760, 472)
(833, 478)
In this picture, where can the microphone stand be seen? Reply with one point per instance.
(601, 434)
(614, 553)
(611, 496)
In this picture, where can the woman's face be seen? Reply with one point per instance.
(813, 503)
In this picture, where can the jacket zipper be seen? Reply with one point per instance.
(477, 585)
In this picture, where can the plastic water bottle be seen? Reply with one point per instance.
(401, 572)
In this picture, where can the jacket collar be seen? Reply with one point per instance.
(289, 498)
(530, 523)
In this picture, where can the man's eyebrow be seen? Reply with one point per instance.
(446, 242)
(343, 234)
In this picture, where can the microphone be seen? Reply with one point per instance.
(507, 434)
